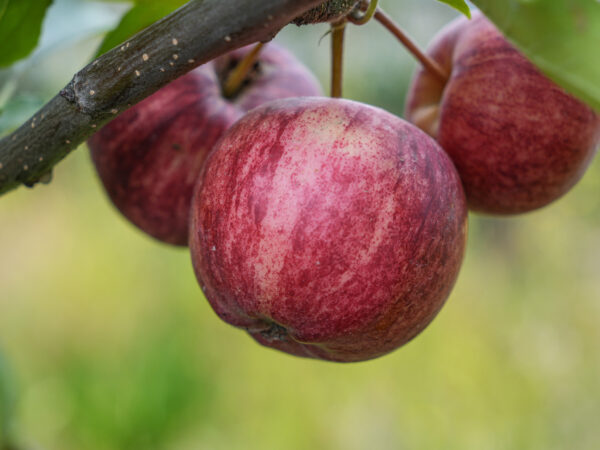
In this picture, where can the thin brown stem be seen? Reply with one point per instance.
(425, 60)
(360, 17)
(338, 30)
(237, 76)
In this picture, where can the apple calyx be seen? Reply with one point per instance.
(329, 11)
(274, 332)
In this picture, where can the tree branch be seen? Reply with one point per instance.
(199, 31)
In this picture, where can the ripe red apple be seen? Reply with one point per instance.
(149, 157)
(327, 228)
(517, 139)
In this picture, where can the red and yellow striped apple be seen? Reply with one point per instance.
(327, 228)
(149, 157)
(518, 140)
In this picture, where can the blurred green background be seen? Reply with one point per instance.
(106, 341)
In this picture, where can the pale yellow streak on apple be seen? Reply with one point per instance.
(283, 212)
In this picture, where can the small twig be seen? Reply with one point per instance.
(237, 76)
(337, 57)
(425, 60)
(358, 17)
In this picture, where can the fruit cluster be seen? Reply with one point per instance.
(332, 229)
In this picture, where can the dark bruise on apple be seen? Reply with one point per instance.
(150, 156)
(327, 228)
(517, 139)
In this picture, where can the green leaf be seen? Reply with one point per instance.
(20, 27)
(143, 14)
(3, 5)
(460, 5)
(562, 37)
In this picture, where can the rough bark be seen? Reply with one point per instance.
(194, 34)
(328, 11)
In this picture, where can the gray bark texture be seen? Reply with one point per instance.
(199, 31)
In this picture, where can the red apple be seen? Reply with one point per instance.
(149, 157)
(327, 228)
(517, 139)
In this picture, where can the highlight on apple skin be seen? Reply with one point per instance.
(327, 228)
(149, 157)
(518, 140)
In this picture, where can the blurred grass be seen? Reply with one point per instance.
(7, 403)
(113, 346)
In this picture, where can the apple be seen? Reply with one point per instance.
(327, 228)
(518, 140)
(149, 157)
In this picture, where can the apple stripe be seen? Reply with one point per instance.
(149, 157)
(328, 228)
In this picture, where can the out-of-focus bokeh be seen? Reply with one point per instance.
(106, 341)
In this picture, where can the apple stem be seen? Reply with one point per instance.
(237, 76)
(358, 17)
(338, 30)
(425, 60)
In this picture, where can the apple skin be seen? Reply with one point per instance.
(327, 228)
(149, 157)
(518, 140)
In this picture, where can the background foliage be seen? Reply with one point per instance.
(562, 37)
(109, 344)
